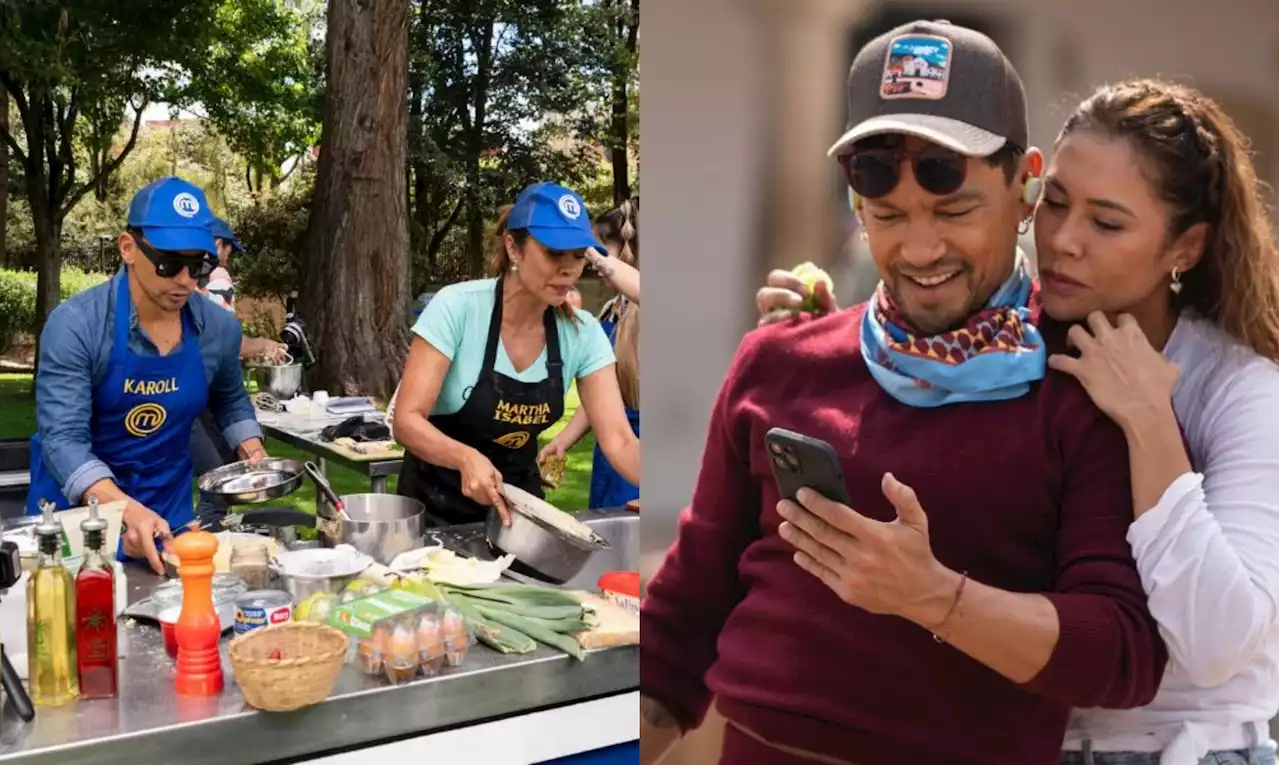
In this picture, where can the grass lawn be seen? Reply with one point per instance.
(18, 420)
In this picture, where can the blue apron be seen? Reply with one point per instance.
(608, 487)
(143, 410)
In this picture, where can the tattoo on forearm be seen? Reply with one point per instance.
(655, 714)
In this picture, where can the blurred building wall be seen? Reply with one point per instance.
(742, 99)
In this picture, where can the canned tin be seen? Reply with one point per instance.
(259, 608)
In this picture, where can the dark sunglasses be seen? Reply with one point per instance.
(874, 172)
(169, 263)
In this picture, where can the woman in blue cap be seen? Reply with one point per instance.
(619, 229)
(491, 361)
(127, 366)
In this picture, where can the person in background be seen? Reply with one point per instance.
(619, 229)
(209, 449)
(127, 366)
(978, 584)
(1153, 214)
(492, 359)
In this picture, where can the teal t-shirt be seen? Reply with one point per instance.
(456, 323)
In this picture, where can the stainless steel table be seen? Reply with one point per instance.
(304, 433)
(149, 723)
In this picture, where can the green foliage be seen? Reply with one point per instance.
(273, 233)
(74, 69)
(90, 230)
(18, 298)
(496, 90)
(608, 62)
(260, 323)
(265, 98)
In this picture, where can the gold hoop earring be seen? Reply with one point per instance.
(1176, 284)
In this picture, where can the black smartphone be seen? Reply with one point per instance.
(800, 461)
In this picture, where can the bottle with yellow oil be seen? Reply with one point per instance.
(51, 610)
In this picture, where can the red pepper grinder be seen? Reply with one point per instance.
(198, 628)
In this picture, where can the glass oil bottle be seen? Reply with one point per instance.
(51, 646)
(95, 600)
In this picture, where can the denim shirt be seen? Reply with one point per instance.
(75, 351)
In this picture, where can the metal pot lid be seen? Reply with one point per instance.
(552, 518)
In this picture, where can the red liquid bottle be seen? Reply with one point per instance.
(96, 655)
(198, 628)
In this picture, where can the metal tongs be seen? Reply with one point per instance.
(228, 521)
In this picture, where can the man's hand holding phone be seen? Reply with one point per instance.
(885, 568)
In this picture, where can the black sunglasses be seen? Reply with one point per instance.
(169, 263)
(874, 172)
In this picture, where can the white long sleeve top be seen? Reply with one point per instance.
(1209, 557)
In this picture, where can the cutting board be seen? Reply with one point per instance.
(374, 451)
(615, 625)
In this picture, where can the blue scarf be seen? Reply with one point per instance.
(994, 357)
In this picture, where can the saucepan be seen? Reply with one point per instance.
(379, 525)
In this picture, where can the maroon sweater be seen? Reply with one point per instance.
(1029, 495)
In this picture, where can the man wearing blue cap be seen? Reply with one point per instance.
(491, 361)
(126, 368)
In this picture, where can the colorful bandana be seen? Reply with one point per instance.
(994, 357)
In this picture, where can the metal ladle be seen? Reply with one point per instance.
(330, 494)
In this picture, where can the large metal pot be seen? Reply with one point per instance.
(283, 381)
(382, 525)
(541, 550)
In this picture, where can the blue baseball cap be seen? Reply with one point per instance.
(173, 214)
(555, 216)
(222, 230)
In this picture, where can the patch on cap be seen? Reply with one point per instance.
(570, 207)
(186, 205)
(917, 66)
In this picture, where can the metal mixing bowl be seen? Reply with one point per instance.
(242, 484)
(548, 552)
(282, 381)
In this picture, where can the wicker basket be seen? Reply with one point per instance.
(311, 658)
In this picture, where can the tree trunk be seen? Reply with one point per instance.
(618, 134)
(482, 44)
(417, 139)
(48, 229)
(357, 272)
(619, 130)
(4, 177)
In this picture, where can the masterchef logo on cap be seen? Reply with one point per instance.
(186, 205)
(917, 66)
(570, 207)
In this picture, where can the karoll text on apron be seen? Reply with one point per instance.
(143, 410)
(501, 418)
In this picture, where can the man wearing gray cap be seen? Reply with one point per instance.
(922, 621)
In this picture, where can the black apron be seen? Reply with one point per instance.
(502, 419)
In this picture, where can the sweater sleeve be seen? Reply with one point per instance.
(1109, 652)
(1207, 551)
(692, 594)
